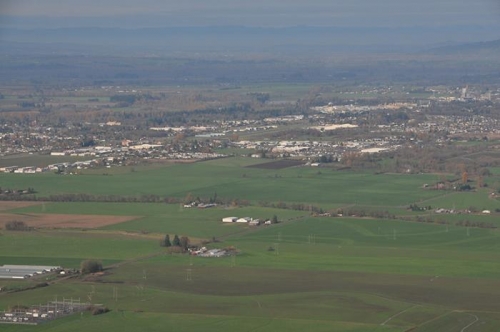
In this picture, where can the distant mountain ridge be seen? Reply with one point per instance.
(294, 39)
(486, 46)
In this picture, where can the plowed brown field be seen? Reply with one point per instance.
(8, 205)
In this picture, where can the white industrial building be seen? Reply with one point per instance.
(24, 271)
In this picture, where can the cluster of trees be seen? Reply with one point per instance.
(90, 266)
(292, 206)
(359, 212)
(260, 96)
(129, 99)
(81, 197)
(476, 224)
(464, 187)
(194, 113)
(462, 223)
(361, 160)
(425, 219)
(325, 159)
(17, 197)
(150, 198)
(16, 226)
(179, 242)
(26, 104)
(428, 158)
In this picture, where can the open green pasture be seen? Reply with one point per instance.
(140, 321)
(479, 200)
(239, 281)
(69, 248)
(349, 277)
(229, 179)
(303, 274)
(149, 309)
(374, 246)
(358, 245)
(340, 274)
(268, 311)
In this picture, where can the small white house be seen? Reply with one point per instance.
(486, 212)
(229, 219)
(254, 222)
(244, 220)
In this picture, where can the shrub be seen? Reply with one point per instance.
(99, 310)
(90, 266)
(16, 226)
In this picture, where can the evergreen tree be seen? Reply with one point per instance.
(177, 241)
(167, 242)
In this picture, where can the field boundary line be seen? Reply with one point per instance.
(399, 313)
(436, 318)
(450, 312)
(469, 325)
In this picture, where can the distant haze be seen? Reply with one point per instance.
(257, 26)
(255, 13)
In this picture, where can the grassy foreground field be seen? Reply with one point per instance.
(305, 273)
(350, 278)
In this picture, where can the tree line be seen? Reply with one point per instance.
(181, 243)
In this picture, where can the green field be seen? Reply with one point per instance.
(304, 273)
(229, 178)
(163, 218)
(69, 248)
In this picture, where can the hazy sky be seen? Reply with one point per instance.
(154, 13)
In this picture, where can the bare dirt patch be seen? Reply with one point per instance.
(279, 164)
(39, 220)
(10, 205)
